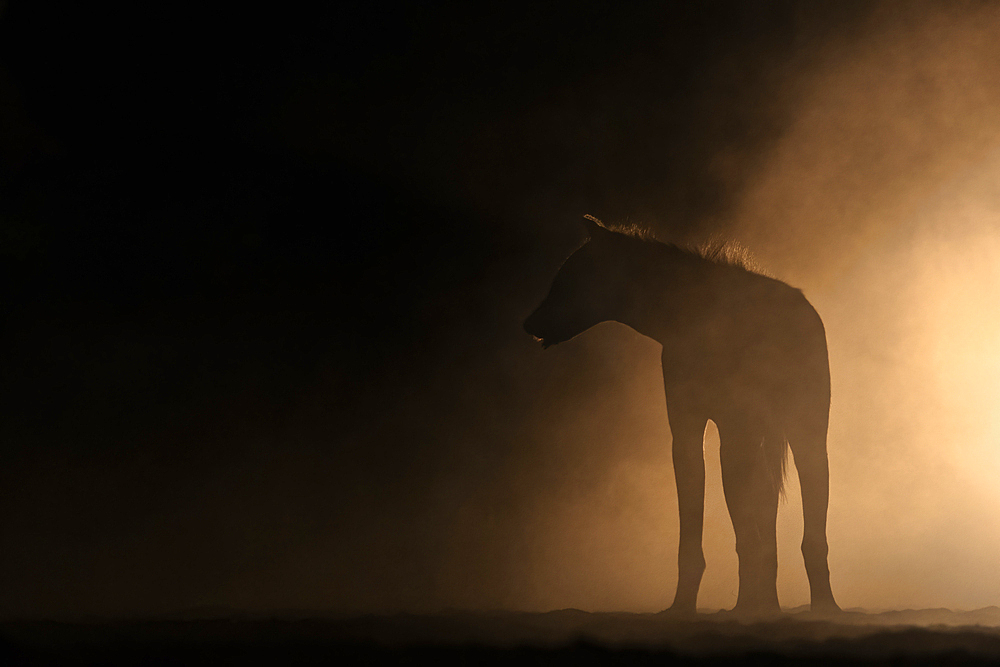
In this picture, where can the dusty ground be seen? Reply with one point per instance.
(937, 636)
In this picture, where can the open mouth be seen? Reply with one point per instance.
(541, 340)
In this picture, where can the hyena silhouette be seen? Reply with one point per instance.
(739, 348)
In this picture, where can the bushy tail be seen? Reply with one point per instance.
(774, 449)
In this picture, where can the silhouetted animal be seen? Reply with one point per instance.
(739, 348)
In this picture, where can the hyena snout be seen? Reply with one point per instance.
(534, 327)
(531, 326)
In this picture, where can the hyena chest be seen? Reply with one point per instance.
(735, 351)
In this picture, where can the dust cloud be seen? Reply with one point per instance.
(385, 437)
(881, 203)
(879, 200)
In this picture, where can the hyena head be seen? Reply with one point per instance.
(587, 290)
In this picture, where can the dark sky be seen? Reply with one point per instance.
(264, 276)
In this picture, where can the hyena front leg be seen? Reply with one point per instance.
(687, 427)
(752, 498)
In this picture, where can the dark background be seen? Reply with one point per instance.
(264, 273)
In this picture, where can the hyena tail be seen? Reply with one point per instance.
(776, 460)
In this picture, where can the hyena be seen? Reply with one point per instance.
(739, 348)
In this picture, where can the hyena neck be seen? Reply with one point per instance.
(666, 291)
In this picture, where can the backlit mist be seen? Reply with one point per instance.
(880, 201)
(379, 434)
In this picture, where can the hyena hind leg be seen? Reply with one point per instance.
(808, 445)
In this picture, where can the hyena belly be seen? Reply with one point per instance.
(761, 357)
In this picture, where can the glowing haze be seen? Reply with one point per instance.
(427, 453)
(889, 172)
(880, 200)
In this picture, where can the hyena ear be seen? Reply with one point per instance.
(596, 229)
